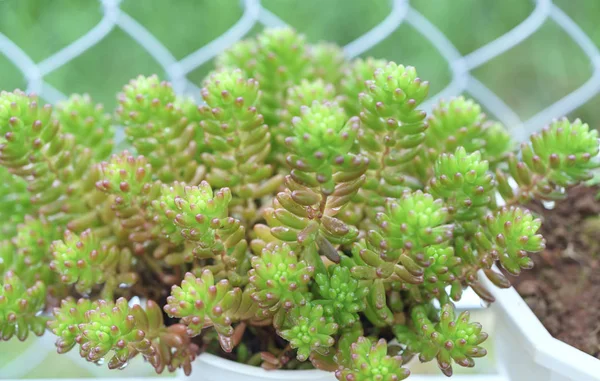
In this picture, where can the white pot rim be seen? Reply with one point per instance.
(545, 350)
(257, 371)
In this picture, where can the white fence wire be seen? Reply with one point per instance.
(253, 13)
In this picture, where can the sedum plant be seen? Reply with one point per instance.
(308, 214)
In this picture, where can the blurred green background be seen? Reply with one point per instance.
(533, 75)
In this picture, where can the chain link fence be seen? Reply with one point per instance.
(461, 66)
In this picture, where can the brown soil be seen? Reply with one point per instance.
(563, 289)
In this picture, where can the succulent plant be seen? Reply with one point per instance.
(14, 203)
(297, 97)
(354, 78)
(393, 129)
(326, 60)
(279, 279)
(200, 302)
(450, 339)
(307, 330)
(26, 254)
(559, 156)
(306, 211)
(89, 123)
(82, 260)
(342, 296)
(159, 129)
(464, 182)
(370, 361)
(459, 122)
(194, 213)
(511, 233)
(20, 306)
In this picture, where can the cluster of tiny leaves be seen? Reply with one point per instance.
(370, 361)
(459, 122)
(26, 254)
(14, 203)
(83, 260)
(19, 308)
(161, 127)
(192, 212)
(450, 339)
(202, 302)
(103, 327)
(559, 156)
(308, 331)
(88, 122)
(306, 93)
(341, 295)
(236, 132)
(308, 192)
(280, 279)
(34, 146)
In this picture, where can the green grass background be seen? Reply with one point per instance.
(529, 77)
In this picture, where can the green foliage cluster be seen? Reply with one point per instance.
(306, 210)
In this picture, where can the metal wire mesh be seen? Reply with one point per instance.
(461, 67)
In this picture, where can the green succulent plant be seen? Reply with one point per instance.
(354, 78)
(304, 94)
(14, 203)
(34, 147)
(341, 295)
(326, 61)
(561, 155)
(413, 223)
(442, 268)
(279, 279)
(89, 123)
(26, 254)
(321, 138)
(450, 339)
(510, 234)
(393, 129)
(82, 260)
(159, 128)
(103, 328)
(308, 209)
(278, 58)
(195, 213)
(370, 361)
(237, 133)
(202, 302)
(124, 176)
(464, 182)
(459, 122)
(20, 306)
(112, 327)
(307, 330)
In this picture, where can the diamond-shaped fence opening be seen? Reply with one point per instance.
(460, 66)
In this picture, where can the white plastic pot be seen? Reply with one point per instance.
(523, 350)
(528, 351)
(212, 368)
